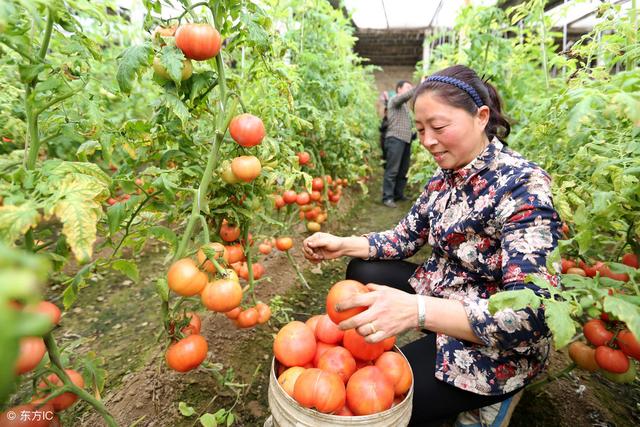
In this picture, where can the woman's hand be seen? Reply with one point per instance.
(391, 311)
(322, 246)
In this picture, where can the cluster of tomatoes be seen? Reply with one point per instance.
(335, 371)
(615, 347)
(583, 269)
(311, 204)
(31, 353)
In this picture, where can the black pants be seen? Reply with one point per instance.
(434, 401)
(398, 155)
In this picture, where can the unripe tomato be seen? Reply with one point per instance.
(339, 292)
(628, 344)
(160, 70)
(284, 243)
(248, 318)
(229, 233)
(318, 389)
(313, 226)
(65, 400)
(185, 279)
(612, 360)
(228, 176)
(246, 168)
(198, 41)
(161, 31)
(289, 197)
(220, 252)
(265, 248)
(187, 354)
(576, 270)
(624, 378)
(583, 356)
(222, 295)
(247, 130)
(303, 157)
(32, 350)
(288, 378)
(595, 331)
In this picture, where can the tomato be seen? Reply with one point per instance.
(198, 41)
(67, 399)
(233, 314)
(185, 279)
(227, 174)
(318, 389)
(265, 248)
(258, 271)
(628, 344)
(248, 318)
(303, 198)
(303, 157)
(289, 196)
(111, 201)
(595, 331)
(160, 70)
(193, 328)
(47, 308)
(39, 416)
(312, 322)
(187, 354)
(327, 331)
(576, 270)
(355, 343)
(334, 198)
(344, 412)
(624, 378)
(369, 391)
(321, 348)
(339, 292)
(339, 361)
(315, 195)
(161, 31)
(317, 184)
(222, 295)
(567, 264)
(246, 168)
(313, 226)
(279, 201)
(388, 343)
(612, 360)
(284, 243)
(229, 233)
(295, 344)
(590, 270)
(583, 356)
(235, 253)
(264, 312)
(630, 260)
(32, 350)
(288, 378)
(247, 130)
(397, 370)
(218, 249)
(565, 229)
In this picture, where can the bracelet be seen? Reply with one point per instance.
(422, 312)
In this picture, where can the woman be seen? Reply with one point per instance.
(488, 216)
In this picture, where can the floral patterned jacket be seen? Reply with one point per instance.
(489, 224)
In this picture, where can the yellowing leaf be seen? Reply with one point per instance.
(17, 220)
(79, 216)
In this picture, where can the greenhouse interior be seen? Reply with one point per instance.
(314, 213)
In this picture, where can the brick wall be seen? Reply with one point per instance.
(388, 76)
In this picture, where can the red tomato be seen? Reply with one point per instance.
(321, 348)
(289, 197)
(339, 292)
(590, 270)
(193, 328)
(339, 361)
(303, 157)
(284, 243)
(247, 130)
(235, 253)
(327, 331)
(295, 344)
(369, 391)
(258, 271)
(317, 184)
(185, 278)
(229, 233)
(628, 344)
(312, 322)
(246, 168)
(222, 295)
(315, 195)
(612, 360)
(67, 399)
(324, 391)
(47, 308)
(265, 248)
(397, 369)
(566, 265)
(248, 318)
(198, 41)
(279, 202)
(583, 356)
(303, 198)
(565, 229)
(32, 350)
(344, 412)
(630, 260)
(187, 354)
(388, 343)
(264, 312)
(218, 249)
(111, 201)
(233, 314)
(288, 378)
(595, 331)
(355, 343)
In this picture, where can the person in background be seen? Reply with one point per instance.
(487, 214)
(397, 145)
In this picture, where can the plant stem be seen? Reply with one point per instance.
(47, 34)
(295, 266)
(247, 252)
(543, 46)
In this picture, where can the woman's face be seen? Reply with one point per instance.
(453, 136)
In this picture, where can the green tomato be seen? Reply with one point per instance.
(624, 378)
(160, 70)
(228, 176)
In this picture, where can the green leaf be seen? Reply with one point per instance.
(230, 419)
(172, 59)
(185, 409)
(129, 268)
(30, 72)
(17, 220)
(88, 148)
(558, 316)
(625, 311)
(115, 215)
(208, 420)
(164, 234)
(515, 300)
(134, 61)
(178, 107)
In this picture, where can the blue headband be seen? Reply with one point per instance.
(460, 85)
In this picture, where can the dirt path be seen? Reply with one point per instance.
(121, 318)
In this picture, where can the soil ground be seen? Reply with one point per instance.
(119, 320)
